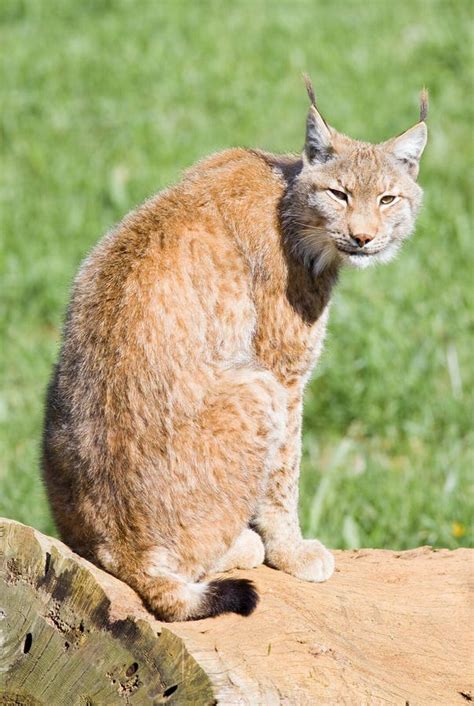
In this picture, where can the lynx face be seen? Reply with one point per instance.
(356, 202)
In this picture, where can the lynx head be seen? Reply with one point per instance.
(354, 202)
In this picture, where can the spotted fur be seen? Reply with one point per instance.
(173, 418)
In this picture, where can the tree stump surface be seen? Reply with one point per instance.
(388, 628)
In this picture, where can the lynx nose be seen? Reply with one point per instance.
(362, 238)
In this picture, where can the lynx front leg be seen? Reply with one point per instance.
(277, 517)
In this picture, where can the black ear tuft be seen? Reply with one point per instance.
(309, 89)
(423, 105)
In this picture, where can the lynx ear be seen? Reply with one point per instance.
(408, 147)
(318, 145)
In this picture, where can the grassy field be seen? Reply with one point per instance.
(106, 101)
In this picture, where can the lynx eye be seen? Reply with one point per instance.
(339, 195)
(385, 200)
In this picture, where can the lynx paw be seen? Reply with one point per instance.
(247, 552)
(309, 560)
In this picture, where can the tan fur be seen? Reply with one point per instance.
(246, 552)
(174, 415)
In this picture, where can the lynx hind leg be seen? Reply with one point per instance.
(185, 600)
(247, 552)
(171, 596)
(225, 454)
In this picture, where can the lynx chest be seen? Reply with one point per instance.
(287, 343)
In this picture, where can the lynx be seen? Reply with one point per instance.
(172, 436)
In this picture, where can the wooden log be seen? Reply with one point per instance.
(388, 628)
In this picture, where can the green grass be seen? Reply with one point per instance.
(105, 102)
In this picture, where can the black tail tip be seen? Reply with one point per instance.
(231, 596)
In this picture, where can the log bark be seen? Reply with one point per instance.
(388, 628)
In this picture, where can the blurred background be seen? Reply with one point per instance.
(105, 102)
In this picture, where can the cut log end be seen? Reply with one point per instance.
(389, 627)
